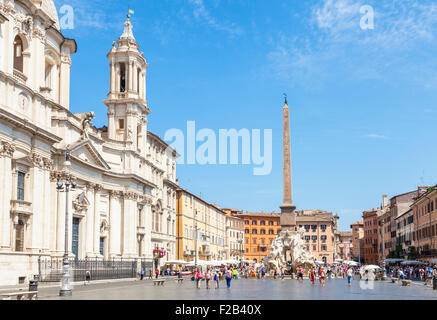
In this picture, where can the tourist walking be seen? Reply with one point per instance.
(313, 275)
(234, 274)
(87, 277)
(217, 279)
(157, 273)
(228, 278)
(322, 277)
(428, 275)
(300, 273)
(208, 279)
(198, 278)
(150, 274)
(350, 276)
(142, 274)
(282, 273)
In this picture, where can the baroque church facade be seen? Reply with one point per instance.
(124, 204)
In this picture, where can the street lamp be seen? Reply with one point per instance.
(63, 185)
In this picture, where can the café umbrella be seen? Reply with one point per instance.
(371, 267)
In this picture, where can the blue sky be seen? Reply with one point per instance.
(363, 102)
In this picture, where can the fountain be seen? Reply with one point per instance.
(289, 247)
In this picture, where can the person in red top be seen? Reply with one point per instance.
(157, 273)
(199, 277)
(322, 276)
(300, 273)
(313, 275)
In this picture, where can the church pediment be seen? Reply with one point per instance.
(85, 152)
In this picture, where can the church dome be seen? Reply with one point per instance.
(49, 8)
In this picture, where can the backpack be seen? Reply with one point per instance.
(228, 276)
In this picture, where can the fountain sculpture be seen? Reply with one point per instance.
(289, 247)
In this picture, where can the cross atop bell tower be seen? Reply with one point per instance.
(127, 104)
(288, 216)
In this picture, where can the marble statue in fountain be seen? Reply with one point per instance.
(289, 246)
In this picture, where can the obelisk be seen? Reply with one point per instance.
(288, 216)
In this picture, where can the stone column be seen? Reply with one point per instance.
(129, 225)
(115, 234)
(64, 81)
(47, 231)
(133, 76)
(6, 153)
(37, 199)
(53, 209)
(96, 239)
(89, 220)
(111, 122)
(128, 76)
(112, 77)
(144, 87)
(117, 77)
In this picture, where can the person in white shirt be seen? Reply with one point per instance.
(350, 275)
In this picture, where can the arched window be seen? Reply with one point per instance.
(122, 77)
(18, 54)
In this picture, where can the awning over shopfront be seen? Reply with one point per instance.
(413, 263)
(394, 260)
(176, 262)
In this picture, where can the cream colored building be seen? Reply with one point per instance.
(321, 233)
(195, 215)
(357, 241)
(346, 246)
(234, 237)
(125, 201)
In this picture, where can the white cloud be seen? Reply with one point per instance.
(401, 47)
(375, 136)
(201, 13)
(337, 15)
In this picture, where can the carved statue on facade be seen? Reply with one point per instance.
(86, 123)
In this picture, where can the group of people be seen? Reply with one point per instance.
(215, 275)
(418, 273)
(320, 272)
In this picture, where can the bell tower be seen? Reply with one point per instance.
(127, 103)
